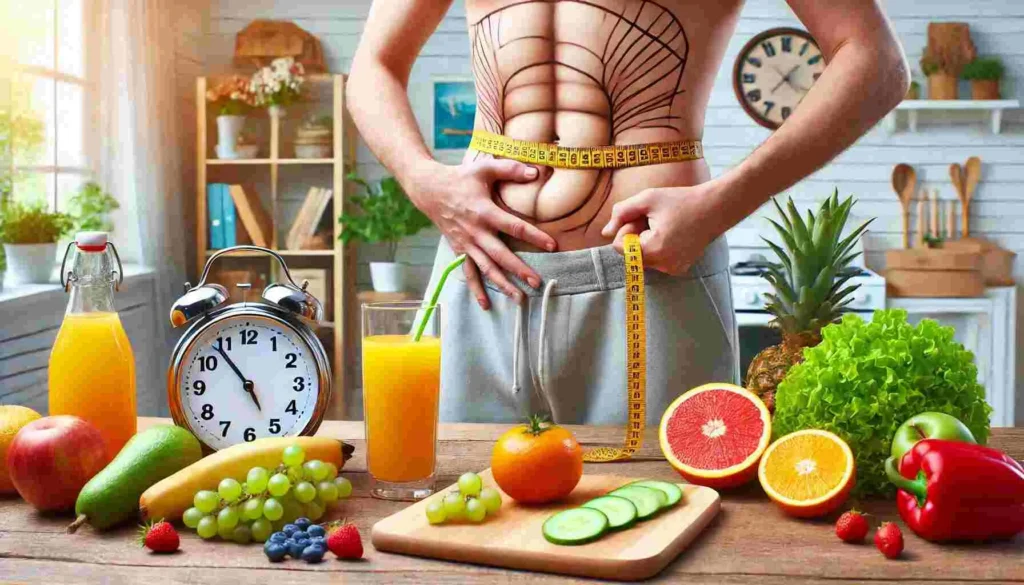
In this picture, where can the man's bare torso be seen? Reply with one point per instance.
(594, 73)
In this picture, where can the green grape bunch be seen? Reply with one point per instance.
(470, 501)
(268, 499)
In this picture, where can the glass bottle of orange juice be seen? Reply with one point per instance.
(92, 368)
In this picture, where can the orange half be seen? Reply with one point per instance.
(714, 435)
(808, 473)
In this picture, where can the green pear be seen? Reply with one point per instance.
(929, 425)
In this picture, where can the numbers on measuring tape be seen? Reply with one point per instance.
(586, 157)
(636, 359)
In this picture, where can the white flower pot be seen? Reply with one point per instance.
(228, 129)
(30, 263)
(388, 276)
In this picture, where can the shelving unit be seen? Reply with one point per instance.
(342, 261)
(991, 108)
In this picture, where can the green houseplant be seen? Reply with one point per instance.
(384, 215)
(984, 74)
(29, 232)
(91, 207)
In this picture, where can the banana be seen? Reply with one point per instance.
(170, 497)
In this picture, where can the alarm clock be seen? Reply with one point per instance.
(248, 370)
(773, 73)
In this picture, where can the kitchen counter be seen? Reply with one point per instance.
(749, 542)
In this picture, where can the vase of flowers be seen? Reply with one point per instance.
(233, 98)
(984, 75)
(29, 233)
(278, 85)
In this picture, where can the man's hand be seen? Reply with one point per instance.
(673, 224)
(460, 202)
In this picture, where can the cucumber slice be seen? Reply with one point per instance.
(647, 500)
(671, 490)
(621, 512)
(575, 526)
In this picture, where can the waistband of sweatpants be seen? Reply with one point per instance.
(601, 268)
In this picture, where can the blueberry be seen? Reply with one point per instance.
(302, 523)
(289, 529)
(319, 545)
(316, 530)
(317, 539)
(278, 537)
(295, 549)
(313, 554)
(275, 551)
(300, 535)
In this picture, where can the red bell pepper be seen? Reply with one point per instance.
(949, 490)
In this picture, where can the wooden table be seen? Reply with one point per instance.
(749, 542)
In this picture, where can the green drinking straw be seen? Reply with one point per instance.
(437, 292)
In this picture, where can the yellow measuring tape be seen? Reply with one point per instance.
(586, 157)
(636, 358)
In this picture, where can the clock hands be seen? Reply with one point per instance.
(247, 384)
(785, 78)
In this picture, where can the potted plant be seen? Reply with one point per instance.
(914, 91)
(30, 233)
(984, 75)
(232, 97)
(942, 85)
(91, 207)
(278, 84)
(385, 215)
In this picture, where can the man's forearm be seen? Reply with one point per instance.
(860, 85)
(380, 107)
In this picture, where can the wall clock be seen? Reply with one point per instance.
(774, 71)
(248, 370)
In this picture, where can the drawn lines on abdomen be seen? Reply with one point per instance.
(642, 61)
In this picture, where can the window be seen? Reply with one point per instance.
(44, 103)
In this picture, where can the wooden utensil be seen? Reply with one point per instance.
(973, 172)
(922, 228)
(904, 182)
(512, 537)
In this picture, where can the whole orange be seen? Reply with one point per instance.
(537, 462)
(12, 418)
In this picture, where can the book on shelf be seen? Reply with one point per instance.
(253, 216)
(228, 218)
(308, 217)
(215, 215)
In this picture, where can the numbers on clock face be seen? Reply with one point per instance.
(234, 356)
(775, 72)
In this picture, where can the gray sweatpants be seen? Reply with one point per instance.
(568, 360)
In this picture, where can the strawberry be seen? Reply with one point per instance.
(159, 537)
(889, 540)
(344, 541)
(852, 527)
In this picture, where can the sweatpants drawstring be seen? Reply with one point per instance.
(517, 340)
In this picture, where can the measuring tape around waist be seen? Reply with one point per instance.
(586, 157)
(636, 358)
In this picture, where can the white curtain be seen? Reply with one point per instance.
(139, 138)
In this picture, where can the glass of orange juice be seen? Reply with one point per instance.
(401, 388)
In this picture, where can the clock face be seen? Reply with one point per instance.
(774, 71)
(246, 377)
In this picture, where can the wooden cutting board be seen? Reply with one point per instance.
(512, 538)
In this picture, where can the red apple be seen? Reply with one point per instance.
(50, 459)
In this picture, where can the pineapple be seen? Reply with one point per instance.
(809, 287)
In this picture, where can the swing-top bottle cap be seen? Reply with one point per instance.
(91, 241)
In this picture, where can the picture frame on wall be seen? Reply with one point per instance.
(454, 109)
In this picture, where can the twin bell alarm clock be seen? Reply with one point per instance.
(248, 370)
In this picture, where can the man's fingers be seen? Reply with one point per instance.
(519, 229)
(475, 285)
(633, 227)
(500, 253)
(493, 273)
(503, 169)
(623, 212)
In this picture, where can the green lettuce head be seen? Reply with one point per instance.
(866, 379)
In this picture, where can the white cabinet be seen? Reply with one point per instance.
(986, 326)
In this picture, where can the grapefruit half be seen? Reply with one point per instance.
(808, 473)
(715, 434)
